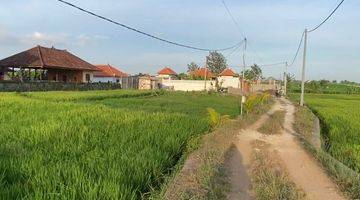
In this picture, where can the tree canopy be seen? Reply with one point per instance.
(254, 73)
(216, 62)
(192, 67)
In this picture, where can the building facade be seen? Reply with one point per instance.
(108, 74)
(46, 64)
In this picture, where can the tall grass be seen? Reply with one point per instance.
(97, 145)
(340, 119)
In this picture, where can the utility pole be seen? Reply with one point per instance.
(205, 76)
(303, 70)
(285, 79)
(243, 80)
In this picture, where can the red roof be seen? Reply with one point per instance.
(201, 73)
(167, 71)
(42, 57)
(227, 72)
(109, 71)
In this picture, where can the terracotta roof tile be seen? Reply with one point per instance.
(167, 71)
(109, 71)
(201, 73)
(42, 57)
(227, 72)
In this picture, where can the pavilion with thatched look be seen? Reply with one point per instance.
(46, 64)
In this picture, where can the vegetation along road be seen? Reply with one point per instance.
(274, 164)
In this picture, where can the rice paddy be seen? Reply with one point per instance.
(340, 118)
(98, 144)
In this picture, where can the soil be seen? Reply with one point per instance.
(302, 168)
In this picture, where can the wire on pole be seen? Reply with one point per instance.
(298, 50)
(144, 33)
(327, 18)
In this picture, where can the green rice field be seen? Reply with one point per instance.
(340, 117)
(98, 144)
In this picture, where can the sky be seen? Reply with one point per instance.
(273, 29)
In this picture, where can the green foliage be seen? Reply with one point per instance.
(98, 144)
(254, 73)
(340, 118)
(323, 87)
(255, 100)
(216, 62)
(183, 76)
(192, 67)
(217, 119)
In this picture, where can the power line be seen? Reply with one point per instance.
(144, 33)
(327, 18)
(298, 50)
(235, 49)
(233, 19)
(271, 64)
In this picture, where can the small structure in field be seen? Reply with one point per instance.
(166, 74)
(108, 74)
(46, 64)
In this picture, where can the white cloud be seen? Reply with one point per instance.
(39, 38)
(59, 39)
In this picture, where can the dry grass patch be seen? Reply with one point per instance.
(304, 122)
(269, 178)
(274, 124)
(204, 175)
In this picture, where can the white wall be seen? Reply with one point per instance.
(106, 79)
(91, 76)
(199, 85)
(229, 81)
(188, 85)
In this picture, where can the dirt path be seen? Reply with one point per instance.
(303, 170)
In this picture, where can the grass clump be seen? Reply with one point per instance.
(269, 178)
(274, 124)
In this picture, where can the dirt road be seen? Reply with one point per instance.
(303, 170)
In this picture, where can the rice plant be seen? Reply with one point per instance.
(98, 144)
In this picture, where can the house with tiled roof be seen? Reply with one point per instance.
(201, 73)
(166, 73)
(108, 74)
(227, 73)
(228, 78)
(49, 64)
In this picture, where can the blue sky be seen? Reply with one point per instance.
(273, 28)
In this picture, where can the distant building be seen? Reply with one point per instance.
(48, 64)
(108, 74)
(166, 73)
(228, 78)
(201, 73)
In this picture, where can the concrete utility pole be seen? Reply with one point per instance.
(303, 70)
(285, 79)
(205, 76)
(243, 80)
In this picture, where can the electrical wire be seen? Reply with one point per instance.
(144, 33)
(235, 49)
(298, 50)
(233, 19)
(272, 64)
(327, 18)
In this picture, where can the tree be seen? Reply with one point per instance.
(254, 73)
(290, 77)
(192, 67)
(216, 62)
(182, 76)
